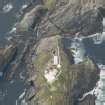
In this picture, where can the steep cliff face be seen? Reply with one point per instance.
(71, 17)
(84, 5)
(65, 17)
(68, 24)
(31, 18)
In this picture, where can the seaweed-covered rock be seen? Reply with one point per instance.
(65, 17)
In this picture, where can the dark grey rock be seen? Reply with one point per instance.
(70, 23)
(7, 56)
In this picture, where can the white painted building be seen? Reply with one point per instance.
(51, 75)
(55, 60)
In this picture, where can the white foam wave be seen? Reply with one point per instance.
(22, 95)
(78, 50)
(12, 81)
(99, 89)
(9, 38)
(2, 94)
(79, 38)
(1, 74)
(88, 37)
(13, 30)
(101, 66)
(24, 102)
(7, 8)
(86, 94)
(98, 38)
(100, 92)
(21, 11)
(16, 102)
(100, 84)
(22, 76)
(103, 21)
(24, 6)
(102, 72)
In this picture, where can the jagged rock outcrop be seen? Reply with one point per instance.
(7, 56)
(102, 10)
(72, 16)
(64, 17)
(32, 18)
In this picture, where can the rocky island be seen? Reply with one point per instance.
(54, 75)
(60, 82)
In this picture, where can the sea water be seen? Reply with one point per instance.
(10, 90)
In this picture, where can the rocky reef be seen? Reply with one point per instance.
(65, 18)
